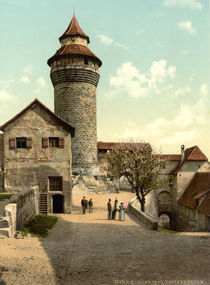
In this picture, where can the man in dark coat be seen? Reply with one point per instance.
(84, 204)
(109, 208)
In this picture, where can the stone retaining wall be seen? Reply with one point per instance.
(144, 218)
(21, 209)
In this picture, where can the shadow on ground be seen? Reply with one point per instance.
(107, 253)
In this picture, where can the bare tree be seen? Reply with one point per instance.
(139, 164)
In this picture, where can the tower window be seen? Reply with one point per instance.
(55, 183)
(85, 60)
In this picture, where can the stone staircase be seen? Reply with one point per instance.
(43, 204)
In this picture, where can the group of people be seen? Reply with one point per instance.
(112, 212)
(87, 204)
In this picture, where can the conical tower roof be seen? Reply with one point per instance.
(74, 30)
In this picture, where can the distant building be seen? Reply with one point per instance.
(188, 174)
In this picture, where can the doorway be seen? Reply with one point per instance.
(58, 203)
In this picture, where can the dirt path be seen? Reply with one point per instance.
(89, 249)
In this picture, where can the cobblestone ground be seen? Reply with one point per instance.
(89, 249)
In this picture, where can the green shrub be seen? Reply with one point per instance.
(167, 231)
(39, 225)
(4, 196)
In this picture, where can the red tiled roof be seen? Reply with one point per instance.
(111, 145)
(199, 184)
(204, 207)
(191, 154)
(171, 157)
(74, 30)
(1, 150)
(36, 102)
(73, 49)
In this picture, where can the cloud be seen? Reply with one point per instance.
(6, 96)
(109, 41)
(182, 91)
(179, 137)
(41, 84)
(136, 84)
(25, 79)
(187, 26)
(6, 84)
(28, 69)
(193, 4)
(185, 124)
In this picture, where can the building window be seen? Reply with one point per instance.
(54, 142)
(55, 183)
(20, 142)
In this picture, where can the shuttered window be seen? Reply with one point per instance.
(53, 142)
(12, 143)
(44, 142)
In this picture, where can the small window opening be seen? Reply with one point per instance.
(85, 60)
(21, 142)
(55, 183)
(54, 142)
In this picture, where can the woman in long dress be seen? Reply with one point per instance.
(121, 212)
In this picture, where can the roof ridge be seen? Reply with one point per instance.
(29, 106)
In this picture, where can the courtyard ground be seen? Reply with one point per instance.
(89, 249)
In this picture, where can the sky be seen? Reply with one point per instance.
(155, 79)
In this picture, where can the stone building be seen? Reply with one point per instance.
(37, 147)
(75, 75)
(189, 181)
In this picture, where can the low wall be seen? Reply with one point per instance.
(27, 205)
(21, 209)
(144, 218)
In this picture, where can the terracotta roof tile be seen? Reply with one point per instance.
(191, 154)
(204, 207)
(38, 103)
(171, 157)
(111, 145)
(199, 185)
(73, 49)
(74, 30)
(1, 150)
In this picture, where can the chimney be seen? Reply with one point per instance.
(182, 153)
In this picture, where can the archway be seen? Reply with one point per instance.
(164, 221)
(58, 203)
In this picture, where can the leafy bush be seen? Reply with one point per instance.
(4, 196)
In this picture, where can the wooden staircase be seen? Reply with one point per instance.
(43, 204)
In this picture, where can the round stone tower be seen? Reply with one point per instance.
(75, 75)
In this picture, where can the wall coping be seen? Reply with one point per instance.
(147, 220)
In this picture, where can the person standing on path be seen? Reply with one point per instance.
(84, 204)
(90, 203)
(109, 208)
(115, 209)
(121, 212)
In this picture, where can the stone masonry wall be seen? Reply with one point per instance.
(25, 167)
(76, 103)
